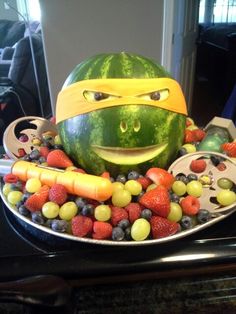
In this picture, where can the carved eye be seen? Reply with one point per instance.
(156, 95)
(123, 126)
(97, 96)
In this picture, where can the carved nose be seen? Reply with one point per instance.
(124, 126)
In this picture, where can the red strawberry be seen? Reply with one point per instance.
(145, 182)
(58, 194)
(221, 166)
(157, 200)
(102, 230)
(117, 214)
(199, 134)
(10, 178)
(80, 170)
(162, 227)
(189, 136)
(160, 177)
(81, 226)
(134, 211)
(57, 158)
(190, 205)
(229, 148)
(198, 165)
(21, 152)
(44, 151)
(37, 200)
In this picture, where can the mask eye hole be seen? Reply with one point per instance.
(123, 126)
(97, 96)
(157, 95)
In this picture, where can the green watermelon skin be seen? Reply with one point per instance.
(103, 127)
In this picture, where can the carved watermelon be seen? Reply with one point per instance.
(120, 138)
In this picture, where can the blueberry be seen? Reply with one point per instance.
(146, 214)
(80, 202)
(186, 222)
(203, 216)
(23, 211)
(182, 177)
(26, 157)
(42, 159)
(118, 234)
(25, 196)
(215, 160)
(112, 179)
(174, 198)
(133, 175)
(18, 186)
(182, 151)
(35, 154)
(123, 224)
(121, 178)
(58, 146)
(88, 210)
(136, 198)
(59, 225)
(37, 218)
(128, 234)
(192, 176)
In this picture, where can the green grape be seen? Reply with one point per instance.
(50, 210)
(117, 186)
(14, 197)
(121, 198)
(140, 229)
(175, 213)
(33, 185)
(225, 183)
(151, 187)
(133, 186)
(194, 188)
(68, 210)
(6, 189)
(179, 188)
(102, 212)
(226, 197)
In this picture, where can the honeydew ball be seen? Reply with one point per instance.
(117, 186)
(33, 185)
(121, 198)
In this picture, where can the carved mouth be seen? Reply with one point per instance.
(128, 156)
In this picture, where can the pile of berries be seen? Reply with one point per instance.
(142, 207)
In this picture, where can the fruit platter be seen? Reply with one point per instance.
(125, 167)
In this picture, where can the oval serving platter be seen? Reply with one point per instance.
(181, 165)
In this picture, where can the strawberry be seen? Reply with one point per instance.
(221, 166)
(102, 230)
(106, 175)
(190, 205)
(58, 194)
(162, 227)
(80, 170)
(21, 152)
(198, 165)
(10, 178)
(36, 201)
(81, 226)
(145, 182)
(134, 211)
(199, 134)
(157, 200)
(189, 136)
(57, 158)
(229, 148)
(160, 177)
(117, 214)
(44, 151)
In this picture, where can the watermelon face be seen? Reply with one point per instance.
(125, 137)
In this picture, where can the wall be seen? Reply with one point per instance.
(8, 14)
(77, 29)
